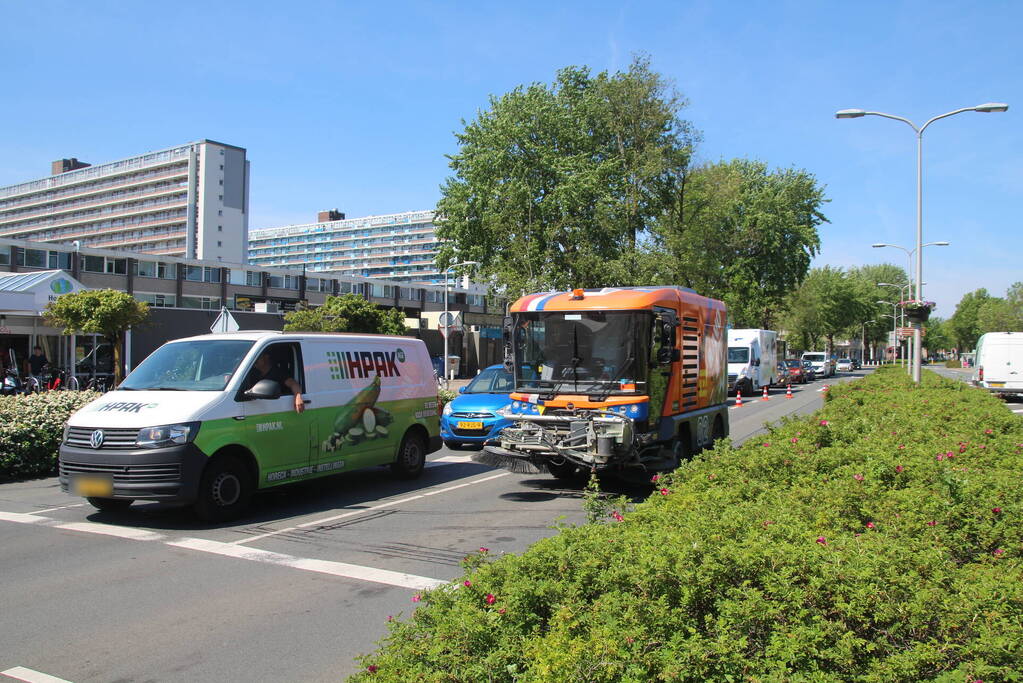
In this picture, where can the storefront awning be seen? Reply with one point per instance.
(28, 293)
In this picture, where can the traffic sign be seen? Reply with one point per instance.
(225, 322)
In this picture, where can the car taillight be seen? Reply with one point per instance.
(980, 373)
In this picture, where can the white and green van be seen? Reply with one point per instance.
(193, 423)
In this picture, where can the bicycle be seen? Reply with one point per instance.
(61, 379)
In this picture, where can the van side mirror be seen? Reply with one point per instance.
(265, 389)
(461, 390)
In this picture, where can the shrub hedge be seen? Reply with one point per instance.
(879, 540)
(31, 428)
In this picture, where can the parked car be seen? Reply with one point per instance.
(471, 418)
(844, 365)
(809, 370)
(794, 372)
(856, 364)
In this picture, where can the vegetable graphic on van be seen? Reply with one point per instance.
(359, 420)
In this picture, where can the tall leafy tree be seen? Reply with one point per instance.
(106, 312)
(827, 303)
(936, 337)
(964, 326)
(346, 313)
(743, 233)
(554, 185)
(872, 276)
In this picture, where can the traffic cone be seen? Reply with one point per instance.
(765, 397)
(788, 392)
(824, 388)
(738, 399)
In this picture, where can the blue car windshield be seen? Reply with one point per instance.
(491, 381)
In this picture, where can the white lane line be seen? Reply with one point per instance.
(20, 673)
(360, 511)
(342, 569)
(60, 507)
(468, 483)
(448, 459)
(22, 518)
(108, 530)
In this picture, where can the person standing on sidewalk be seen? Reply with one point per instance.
(36, 362)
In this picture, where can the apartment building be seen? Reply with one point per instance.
(398, 246)
(189, 201)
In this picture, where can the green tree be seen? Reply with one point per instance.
(740, 232)
(555, 185)
(872, 275)
(963, 325)
(346, 313)
(106, 312)
(936, 335)
(827, 303)
(999, 315)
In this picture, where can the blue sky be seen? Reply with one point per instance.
(354, 105)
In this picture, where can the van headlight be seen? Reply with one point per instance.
(167, 435)
(447, 408)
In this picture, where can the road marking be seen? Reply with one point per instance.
(360, 511)
(342, 569)
(59, 507)
(448, 459)
(109, 530)
(20, 673)
(22, 518)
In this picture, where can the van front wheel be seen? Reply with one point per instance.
(224, 490)
(411, 457)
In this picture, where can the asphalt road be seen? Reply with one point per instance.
(294, 591)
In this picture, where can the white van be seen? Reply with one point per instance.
(822, 365)
(752, 360)
(208, 420)
(999, 362)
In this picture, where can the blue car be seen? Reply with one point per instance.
(472, 417)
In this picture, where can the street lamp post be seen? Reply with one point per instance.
(863, 347)
(447, 318)
(902, 296)
(987, 107)
(895, 323)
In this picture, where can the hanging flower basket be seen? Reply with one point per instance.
(918, 311)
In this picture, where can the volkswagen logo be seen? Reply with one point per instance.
(96, 440)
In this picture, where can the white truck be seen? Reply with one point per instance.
(999, 362)
(752, 360)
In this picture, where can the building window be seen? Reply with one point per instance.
(60, 260)
(193, 273)
(220, 228)
(166, 271)
(5, 256)
(204, 302)
(220, 197)
(117, 266)
(220, 212)
(254, 278)
(156, 300)
(219, 244)
(32, 258)
(93, 264)
(276, 281)
(146, 268)
(210, 274)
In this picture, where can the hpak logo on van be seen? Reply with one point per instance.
(362, 364)
(124, 406)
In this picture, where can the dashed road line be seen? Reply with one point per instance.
(20, 673)
(341, 569)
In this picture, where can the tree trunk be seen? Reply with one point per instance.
(116, 342)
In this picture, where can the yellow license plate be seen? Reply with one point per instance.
(470, 425)
(996, 384)
(98, 487)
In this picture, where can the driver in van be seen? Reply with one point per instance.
(265, 368)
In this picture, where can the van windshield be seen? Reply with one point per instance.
(814, 357)
(738, 354)
(206, 365)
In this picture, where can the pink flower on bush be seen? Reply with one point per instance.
(962, 449)
(616, 515)
(822, 540)
(467, 583)
(794, 440)
(998, 552)
(490, 599)
(899, 468)
(997, 511)
(940, 456)
(902, 446)
(767, 523)
(372, 668)
(824, 423)
(766, 443)
(712, 476)
(501, 611)
(870, 525)
(390, 617)
(989, 431)
(655, 478)
(931, 523)
(664, 492)
(858, 477)
(484, 550)
(417, 598)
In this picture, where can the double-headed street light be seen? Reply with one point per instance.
(447, 317)
(895, 323)
(919, 130)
